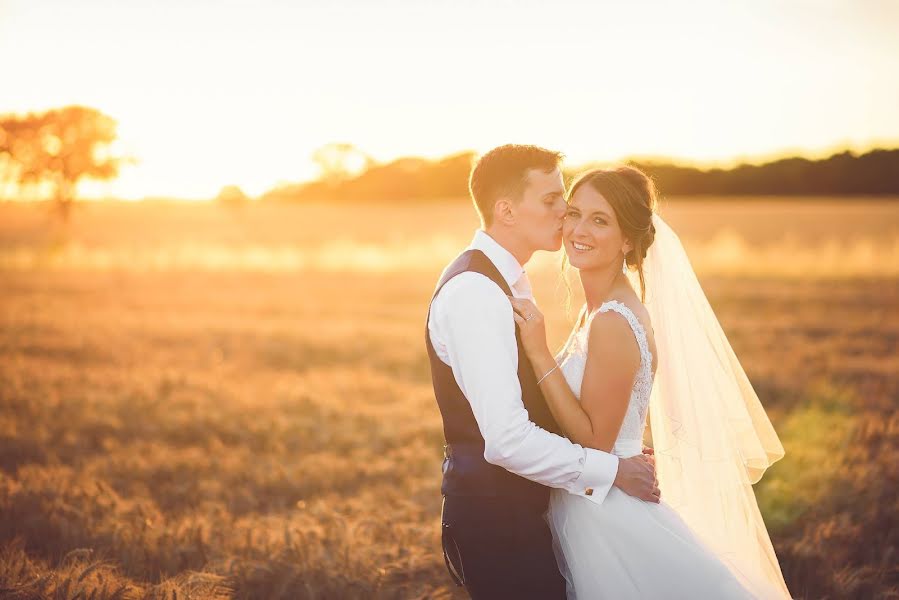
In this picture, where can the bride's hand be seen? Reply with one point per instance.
(531, 325)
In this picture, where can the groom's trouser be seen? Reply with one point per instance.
(501, 547)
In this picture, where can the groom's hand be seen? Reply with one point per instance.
(637, 477)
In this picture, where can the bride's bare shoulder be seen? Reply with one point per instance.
(610, 335)
(640, 311)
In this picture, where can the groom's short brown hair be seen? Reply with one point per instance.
(504, 172)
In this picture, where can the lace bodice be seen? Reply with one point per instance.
(573, 360)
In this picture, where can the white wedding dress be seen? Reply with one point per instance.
(625, 547)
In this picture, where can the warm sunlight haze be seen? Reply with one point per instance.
(208, 93)
(226, 372)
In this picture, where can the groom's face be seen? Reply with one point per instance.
(539, 215)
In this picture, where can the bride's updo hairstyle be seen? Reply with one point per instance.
(632, 195)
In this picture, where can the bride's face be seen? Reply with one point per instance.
(593, 238)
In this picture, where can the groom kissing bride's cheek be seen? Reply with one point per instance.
(547, 489)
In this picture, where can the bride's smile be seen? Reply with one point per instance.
(593, 238)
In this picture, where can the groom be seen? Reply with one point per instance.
(504, 450)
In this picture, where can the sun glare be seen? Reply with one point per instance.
(208, 95)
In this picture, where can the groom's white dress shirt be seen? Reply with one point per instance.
(472, 330)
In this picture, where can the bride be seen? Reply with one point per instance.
(668, 357)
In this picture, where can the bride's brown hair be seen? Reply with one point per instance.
(632, 195)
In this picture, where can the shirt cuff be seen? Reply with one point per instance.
(595, 481)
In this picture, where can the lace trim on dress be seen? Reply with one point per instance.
(574, 360)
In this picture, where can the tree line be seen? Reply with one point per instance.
(845, 173)
(873, 173)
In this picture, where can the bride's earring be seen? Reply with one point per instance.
(624, 266)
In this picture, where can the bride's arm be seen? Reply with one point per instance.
(612, 363)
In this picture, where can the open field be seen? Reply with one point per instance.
(213, 403)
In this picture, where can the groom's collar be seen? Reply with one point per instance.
(507, 265)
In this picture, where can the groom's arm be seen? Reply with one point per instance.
(473, 318)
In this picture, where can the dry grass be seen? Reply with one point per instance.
(263, 428)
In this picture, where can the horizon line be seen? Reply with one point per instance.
(699, 164)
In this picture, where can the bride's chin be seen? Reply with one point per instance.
(584, 263)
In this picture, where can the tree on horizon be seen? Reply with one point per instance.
(57, 149)
(339, 161)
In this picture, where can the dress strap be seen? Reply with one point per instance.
(636, 326)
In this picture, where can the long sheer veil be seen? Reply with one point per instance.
(711, 436)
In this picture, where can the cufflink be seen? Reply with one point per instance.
(588, 491)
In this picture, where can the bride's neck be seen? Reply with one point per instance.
(600, 284)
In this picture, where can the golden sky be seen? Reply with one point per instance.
(216, 92)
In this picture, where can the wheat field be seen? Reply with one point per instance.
(208, 402)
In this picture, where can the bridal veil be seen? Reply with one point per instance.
(711, 436)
